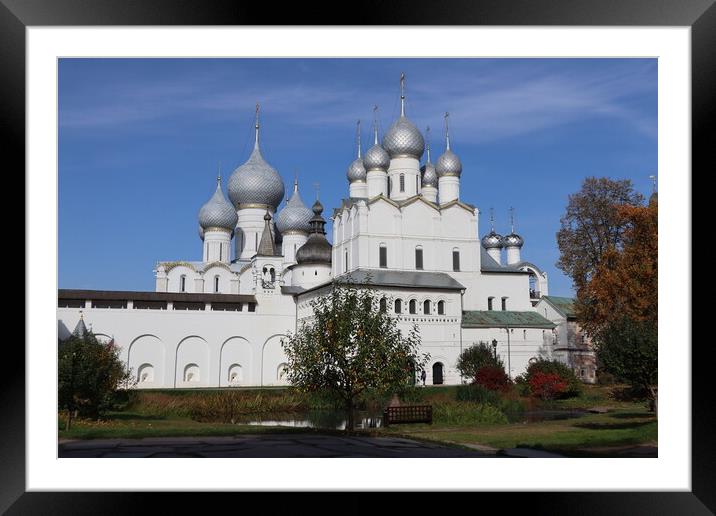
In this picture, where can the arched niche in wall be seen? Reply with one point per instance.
(192, 351)
(272, 355)
(235, 351)
(147, 349)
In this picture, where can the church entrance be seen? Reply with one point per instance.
(437, 373)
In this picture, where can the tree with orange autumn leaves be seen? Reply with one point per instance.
(609, 246)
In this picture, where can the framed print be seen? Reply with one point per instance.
(41, 40)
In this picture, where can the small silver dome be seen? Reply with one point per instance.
(217, 212)
(513, 240)
(448, 164)
(430, 177)
(492, 241)
(201, 232)
(404, 139)
(356, 171)
(295, 216)
(376, 158)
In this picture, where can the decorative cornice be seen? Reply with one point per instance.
(171, 265)
(243, 206)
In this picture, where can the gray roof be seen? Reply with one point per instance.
(80, 330)
(501, 319)
(488, 264)
(564, 305)
(267, 247)
(405, 279)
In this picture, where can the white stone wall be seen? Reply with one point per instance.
(170, 341)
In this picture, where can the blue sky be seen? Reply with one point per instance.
(141, 140)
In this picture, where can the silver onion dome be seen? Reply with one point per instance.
(316, 249)
(217, 212)
(430, 176)
(492, 240)
(356, 170)
(448, 164)
(513, 240)
(376, 158)
(201, 232)
(256, 182)
(403, 138)
(295, 216)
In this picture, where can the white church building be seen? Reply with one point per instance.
(404, 228)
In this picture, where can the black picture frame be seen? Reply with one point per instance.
(700, 15)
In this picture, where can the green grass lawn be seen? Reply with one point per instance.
(628, 423)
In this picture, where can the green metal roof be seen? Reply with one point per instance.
(500, 319)
(563, 304)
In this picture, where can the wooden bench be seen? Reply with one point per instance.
(408, 414)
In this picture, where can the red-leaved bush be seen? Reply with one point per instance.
(492, 378)
(547, 385)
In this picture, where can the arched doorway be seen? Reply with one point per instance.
(437, 373)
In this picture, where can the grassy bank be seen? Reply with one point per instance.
(211, 412)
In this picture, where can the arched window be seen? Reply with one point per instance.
(504, 303)
(402, 182)
(182, 283)
(419, 258)
(426, 307)
(234, 374)
(383, 304)
(412, 306)
(383, 256)
(191, 373)
(398, 306)
(490, 300)
(441, 307)
(456, 260)
(145, 373)
(216, 284)
(272, 272)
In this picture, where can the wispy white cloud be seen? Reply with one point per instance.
(484, 107)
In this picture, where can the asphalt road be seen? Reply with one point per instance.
(282, 446)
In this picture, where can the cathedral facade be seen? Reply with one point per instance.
(403, 228)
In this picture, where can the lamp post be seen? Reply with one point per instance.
(494, 348)
(509, 365)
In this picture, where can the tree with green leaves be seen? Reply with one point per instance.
(352, 346)
(472, 359)
(592, 225)
(89, 374)
(628, 349)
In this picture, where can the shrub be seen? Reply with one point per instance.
(475, 357)
(522, 386)
(545, 366)
(477, 394)
(493, 378)
(454, 413)
(547, 386)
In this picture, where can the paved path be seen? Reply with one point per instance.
(282, 446)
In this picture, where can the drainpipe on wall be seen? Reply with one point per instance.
(509, 366)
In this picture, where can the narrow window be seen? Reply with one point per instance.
(398, 306)
(426, 307)
(182, 283)
(489, 303)
(383, 256)
(419, 258)
(524, 334)
(216, 284)
(383, 304)
(416, 184)
(402, 182)
(221, 251)
(390, 183)
(504, 303)
(272, 271)
(441, 307)
(455, 260)
(346, 269)
(412, 306)
(256, 241)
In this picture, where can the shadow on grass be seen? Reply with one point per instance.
(126, 416)
(632, 415)
(611, 426)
